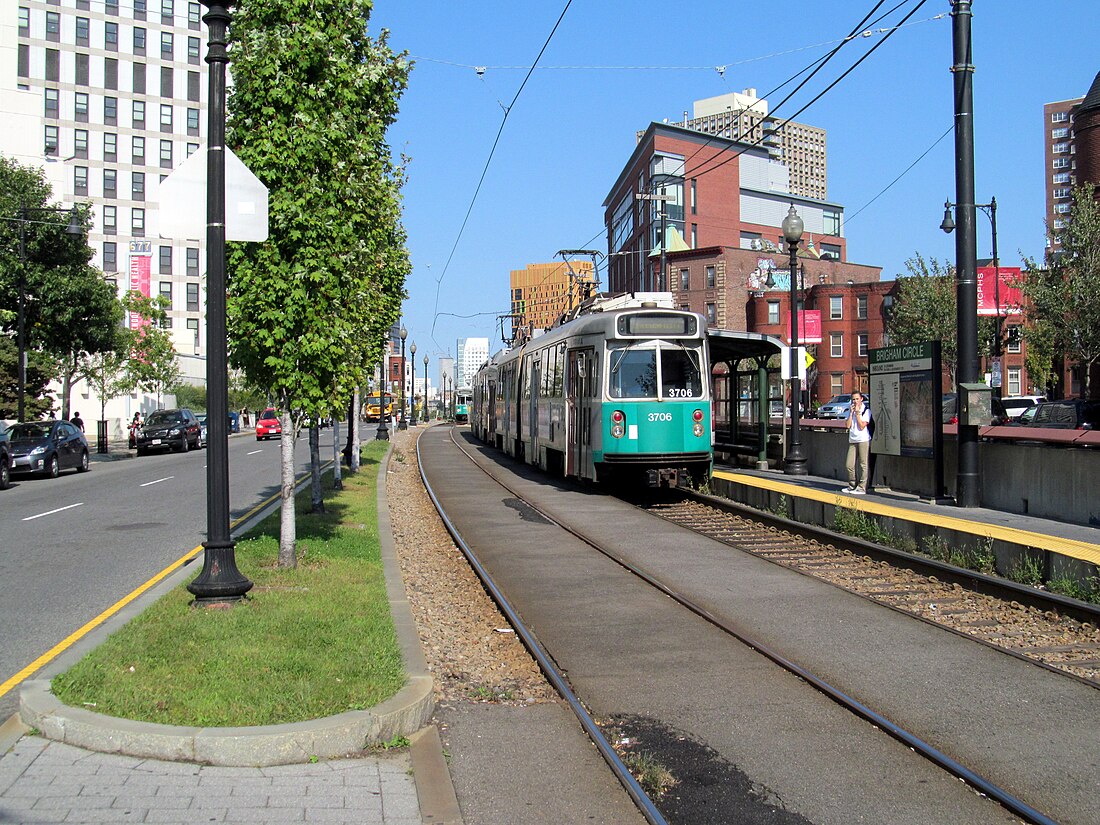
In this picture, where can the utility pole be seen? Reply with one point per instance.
(642, 196)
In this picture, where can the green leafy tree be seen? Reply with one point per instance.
(1040, 352)
(925, 310)
(1064, 294)
(152, 366)
(106, 373)
(38, 402)
(312, 98)
(70, 310)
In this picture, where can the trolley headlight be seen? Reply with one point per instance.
(697, 427)
(618, 421)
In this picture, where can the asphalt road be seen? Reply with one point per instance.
(73, 546)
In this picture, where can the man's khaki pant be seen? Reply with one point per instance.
(858, 450)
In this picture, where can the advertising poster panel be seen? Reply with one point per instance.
(141, 258)
(1005, 297)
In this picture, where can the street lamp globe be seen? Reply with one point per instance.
(404, 333)
(948, 223)
(792, 226)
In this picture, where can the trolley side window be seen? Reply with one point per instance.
(680, 374)
(633, 374)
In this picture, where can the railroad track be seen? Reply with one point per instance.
(766, 541)
(1050, 630)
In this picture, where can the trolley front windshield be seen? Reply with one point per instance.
(634, 373)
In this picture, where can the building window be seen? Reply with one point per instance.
(712, 313)
(695, 236)
(110, 256)
(192, 262)
(192, 121)
(137, 185)
(193, 325)
(51, 140)
(110, 73)
(166, 154)
(836, 344)
(25, 22)
(1059, 117)
(685, 278)
(861, 344)
(1063, 192)
(139, 78)
(193, 86)
(194, 15)
(1062, 208)
(80, 180)
(110, 6)
(167, 12)
(110, 36)
(1058, 134)
(192, 148)
(137, 222)
(167, 82)
(166, 293)
(80, 107)
(110, 219)
(137, 150)
(83, 29)
(193, 50)
(861, 307)
(166, 117)
(836, 307)
(1014, 382)
(830, 222)
(139, 114)
(694, 203)
(53, 66)
(53, 102)
(53, 26)
(1061, 177)
(192, 296)
(773, 312)
(110, 111)
(23, 62)
(80, 143)
(831, 250)
(139, 40)
(110, 146)
(1013, 335)
(166, 45)
(110, 183)
(709, 277)
(139, 9)
(1060, 148)
(1061, 163)
(836, 384)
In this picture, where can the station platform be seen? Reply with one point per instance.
(813, 497)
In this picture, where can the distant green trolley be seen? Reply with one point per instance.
(619, 393)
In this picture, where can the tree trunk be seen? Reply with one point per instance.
(355, 415)
(337, 465)
(66, 388)
(288, 555)
(317, 500)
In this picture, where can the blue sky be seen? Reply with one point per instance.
(572, 128)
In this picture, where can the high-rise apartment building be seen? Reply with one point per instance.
(109, 97)
(542, 292)
(744, 117)
(1061, 166)
(472, 353)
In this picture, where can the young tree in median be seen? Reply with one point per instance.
(152, 367)
(312, 97)
(1065, 294)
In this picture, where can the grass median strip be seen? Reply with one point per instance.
(307, 643)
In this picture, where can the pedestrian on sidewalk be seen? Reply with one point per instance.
(859, 444)
(77, 421)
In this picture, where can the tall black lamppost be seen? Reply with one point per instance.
(412, 386)
(383, 432)
(73, 229)
(795, 465)
(425, 389)
(968, 478)
(220, 580)
(948, 226)
(402, 423)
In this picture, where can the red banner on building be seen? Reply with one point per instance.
(993, 295)
(141, 259)
(809, 326)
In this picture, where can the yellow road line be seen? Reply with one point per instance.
(1074, 548)
(77, 635)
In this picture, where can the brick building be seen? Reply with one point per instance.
(542, 292)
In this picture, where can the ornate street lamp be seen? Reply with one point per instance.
(74, 229)
(383, 432)
(795, 464)
(412, 389)
(220, 581)
(425, 389)
(402, 423)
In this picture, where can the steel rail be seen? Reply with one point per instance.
(925, 749)
(553, 674)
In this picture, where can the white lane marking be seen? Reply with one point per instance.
(254, 452)
(51, 512)
(158, 481)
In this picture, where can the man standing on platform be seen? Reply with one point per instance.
(859, 444)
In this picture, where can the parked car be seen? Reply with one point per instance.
(5, 458)
(951, 410)
(1068, 414)
(839, 406)
(1016, 404)
(267, 425)
(169, 430)
(47, 448)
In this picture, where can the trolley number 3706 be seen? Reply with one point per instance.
(660, 416)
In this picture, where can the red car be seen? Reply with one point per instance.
(267, 425)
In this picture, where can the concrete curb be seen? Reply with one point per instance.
(402, 715)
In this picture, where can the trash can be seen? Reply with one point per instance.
(101, 437)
